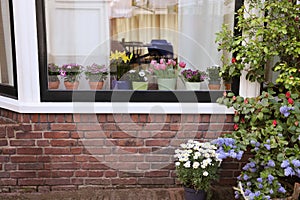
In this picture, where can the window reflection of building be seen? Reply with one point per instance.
(6, 75)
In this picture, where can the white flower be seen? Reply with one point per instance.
(145, 78)
(196, 165)
(132, 71)
(142, 73)
(177, 163)
(187, 164)
(183, 146)
(205, 173)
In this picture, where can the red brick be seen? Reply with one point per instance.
(77, 135)
(89, 127)
(69, 118)
(43, 118)
(4, 159)
(57, 151)
(63, 143)
(157, 142)
(31, 166)
(95, 166)
(125, 150)
(205, 118)
(32, 181)
(81, 173)
(89, 142)
(120, 134)
(157, 174)
(60, 173)
(111, 118)
(108, 174)
(95, 173)
(97, 151)
(64, 127)
(110, 127)
(44, 159)
(63, 158)
(156, 181)
(3, 143)
(77, 181)
(22, 142)
(44, 189)
(22, 174)
(30, 151)
(8, 182)
(225, 165)
(28, 135)
(95, 134)
(44, 174)
(131, 158)
(124, 181)
(165, 134)
(23, 159)
(34, 118)
(57, 181)
(76, 150)
(51, 118)
(158, 158)
(40, 127)
(63, 166)
(4, 174)
(88, 118)
(97, 181)
(60, 118)
(43, 143)
(64, 188)
(57, 135)
(128, 142)
(101, 118)
(10, 167)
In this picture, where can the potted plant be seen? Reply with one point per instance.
(214, 81)
(266, 125)
(166, 72)
(71, 74)
(196, 167)
(96, 74)
(193, 78)
(53, 72)
(139, 79)
(119, 66)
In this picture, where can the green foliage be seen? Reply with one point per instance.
(269, 28)
(213, 73)
(267, 125)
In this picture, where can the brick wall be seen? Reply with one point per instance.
(51, 152)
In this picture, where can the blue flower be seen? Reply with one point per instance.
(271, 191)
(239, 155)
(236, 196)
(296, 163)
(249, 184)
(285, 110)
(260, 186)
(245, 177)
(271, 163)
(257, 144)
(268, 147)
(257, 193)
(260, 180)
(267, 197)
(289, 171)
(270, 178)
(281, 190)
(285, 164)
(252, 142)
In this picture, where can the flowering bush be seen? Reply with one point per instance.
(197, 164)
(166, 69)
(96, 72)
(71, 72)
(138, 75)
(120, 63)
(268, 126)
(193, 75)
(53, 72)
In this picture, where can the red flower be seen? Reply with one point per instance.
(287, 94)
(182, 64)
(224, 94)
(291, 101)
(235, 127)
(234, 98)
(243, 120)
(274, 122)
(296, 123)
(246, 101)
(233, 60)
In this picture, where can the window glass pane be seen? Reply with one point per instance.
(120, 37)
(6, 63)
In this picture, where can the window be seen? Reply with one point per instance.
(8, 83)
(84, 35)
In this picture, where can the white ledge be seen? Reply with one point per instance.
(118, 107)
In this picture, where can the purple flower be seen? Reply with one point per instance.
(271, 163)
(285, 164)
(281, 190)
(260, 180)
(271, 191)
(62, 73)
(289, 171)
(260, 186)
(268, 147)
(285, 110)
(249, 184)
(245, 177)
(296, 163)
(270, 178)
(257, 193)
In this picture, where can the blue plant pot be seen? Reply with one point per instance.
(121, 85)
(191, 194)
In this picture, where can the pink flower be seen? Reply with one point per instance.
(62, 73)
(162, 66)
(162, 61)
(157, 67)
(153, 62)
(236, 127)
(274, 122)
(169, 62)
(182, 64)
(233, 60)
(291, 101)
(287, 94)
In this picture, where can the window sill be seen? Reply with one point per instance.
(108, 107)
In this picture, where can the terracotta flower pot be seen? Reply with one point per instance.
(96, 85)
(71, 85)
(53, 84)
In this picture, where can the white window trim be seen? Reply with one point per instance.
(29, 90)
